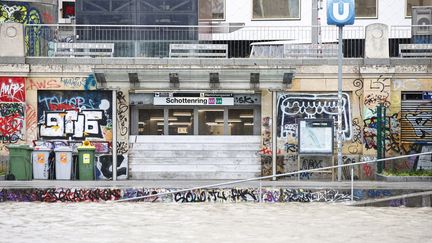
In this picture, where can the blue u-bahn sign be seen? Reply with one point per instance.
(340, 12)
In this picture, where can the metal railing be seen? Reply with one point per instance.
(276, 176)
(154, 40)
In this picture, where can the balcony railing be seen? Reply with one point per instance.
(268, 42)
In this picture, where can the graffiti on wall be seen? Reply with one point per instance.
(11, 122)
(293, 106)
(24, 13)
(122, 114)
(60, 195)
(73, 83)
(392, 133)
(12, 89)
(104, 167)
(75, 115)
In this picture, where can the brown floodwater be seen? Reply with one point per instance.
(211, 222)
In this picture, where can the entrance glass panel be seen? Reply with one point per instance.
(151, 122)
(240, 121)
(180, 122)
(211, 122)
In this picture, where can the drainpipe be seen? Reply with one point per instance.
(114, 135)
(274, 135)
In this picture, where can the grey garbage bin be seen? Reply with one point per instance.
(40, 158)
(63, 158)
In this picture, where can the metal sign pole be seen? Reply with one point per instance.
(340, 105)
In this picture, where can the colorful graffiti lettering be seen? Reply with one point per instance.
(75, 114)
(392, 133)
(12, 89)
(11, 122)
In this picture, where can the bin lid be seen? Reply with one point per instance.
(42, 148)
(19, 146)
(86, 148)
(63, 149)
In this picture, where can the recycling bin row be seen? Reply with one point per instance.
(25, 161)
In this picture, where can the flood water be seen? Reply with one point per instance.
(230, 222)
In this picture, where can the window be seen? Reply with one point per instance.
(241, 122)
(151, 122)
(217, 121)
(212, 9)
(211, 122)
(366, 9)
(276, 9)
(412, 3)
(180, 122)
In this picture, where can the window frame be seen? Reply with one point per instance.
(276, 19)
(376, 12)
(212, 19)
(406, 10)
(134, 127)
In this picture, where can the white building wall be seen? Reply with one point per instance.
(390, 12)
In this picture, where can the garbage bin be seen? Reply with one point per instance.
(20, 166)
(63, 160)
(40, 157)
(86, 155)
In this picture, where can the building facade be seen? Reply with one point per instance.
(213, 118)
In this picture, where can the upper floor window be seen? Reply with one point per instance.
(412, 3)
(366, 9)
(211, 9)
(276, 9)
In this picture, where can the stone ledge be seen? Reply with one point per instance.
(404, 178)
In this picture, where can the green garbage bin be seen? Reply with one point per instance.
(86, 162)
(20, 164)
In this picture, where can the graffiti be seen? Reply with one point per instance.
(421, 123)
(373, 100)
(300, 195)
(308, 164)
(12, 89)
(392, 133)
(294, 106)
(104, 167)
(246, 99)
(267, 165)
(49, 19)
(90, 83)
(380, 84)
(76, 83)
(31, 123)
(133, 193)
(357, 137)
(24, 14)
(75, 114)
(266, 132)
(291, 148)
(11, 122)
(72, 124)
(222, 195)
(40, 84)
(367, 170)
(358, 83)
(346, 171)
(122, 147)
(122, 113)
(60, 195)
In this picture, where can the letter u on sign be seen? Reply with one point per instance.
(340, 12)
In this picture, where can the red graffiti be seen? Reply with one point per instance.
(48, 18)
(43, 84)
(12, 89)
(367, 169)
(10, 126)
(61, 107)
